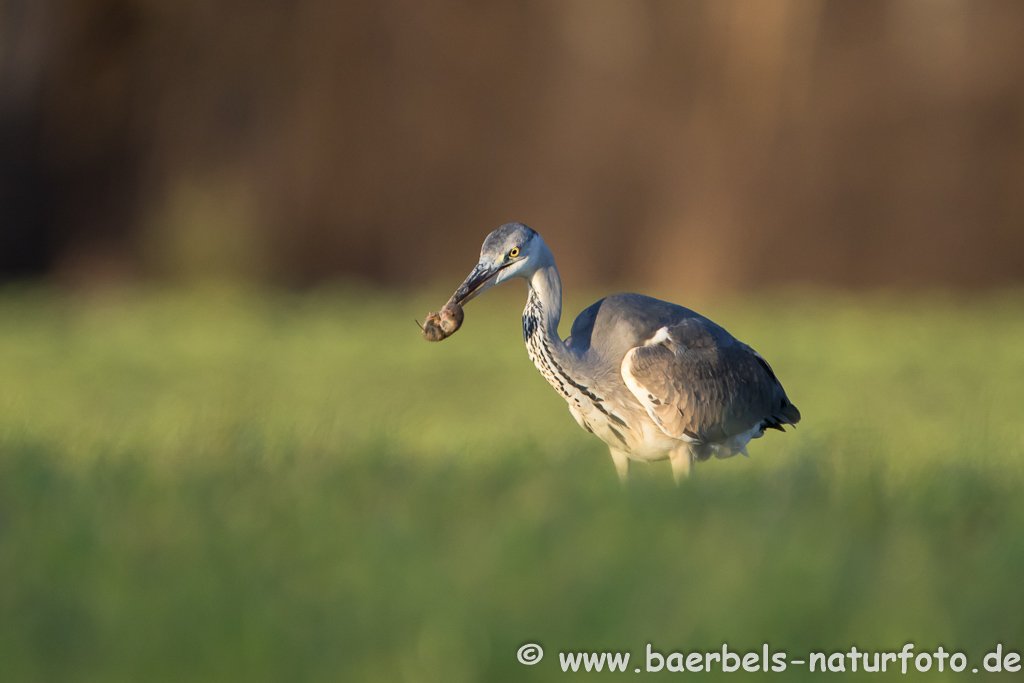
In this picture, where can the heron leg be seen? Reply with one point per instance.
(621, 461)
(682, 460)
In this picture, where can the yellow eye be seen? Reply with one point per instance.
(514, 252)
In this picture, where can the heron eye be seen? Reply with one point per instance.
(514, 252)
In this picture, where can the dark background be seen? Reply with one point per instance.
(709, 144)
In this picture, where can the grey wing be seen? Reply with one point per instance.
(697, 382)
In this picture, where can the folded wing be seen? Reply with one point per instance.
(698, 383)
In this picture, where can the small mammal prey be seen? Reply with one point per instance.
(440, 326)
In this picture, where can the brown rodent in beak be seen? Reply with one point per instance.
(440, 326)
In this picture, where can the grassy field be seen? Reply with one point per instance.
(211, 486)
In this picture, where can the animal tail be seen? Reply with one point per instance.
(788, 414)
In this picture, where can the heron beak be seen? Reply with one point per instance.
(481, 279)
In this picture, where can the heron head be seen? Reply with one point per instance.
(513, 250)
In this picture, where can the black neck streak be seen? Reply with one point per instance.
(534, 334)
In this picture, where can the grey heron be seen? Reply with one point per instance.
(652, 379)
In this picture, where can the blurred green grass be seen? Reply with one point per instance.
(212, 485)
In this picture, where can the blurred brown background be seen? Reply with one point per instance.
(700, 143)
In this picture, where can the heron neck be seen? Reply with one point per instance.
(549, 353)
(546, 289)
